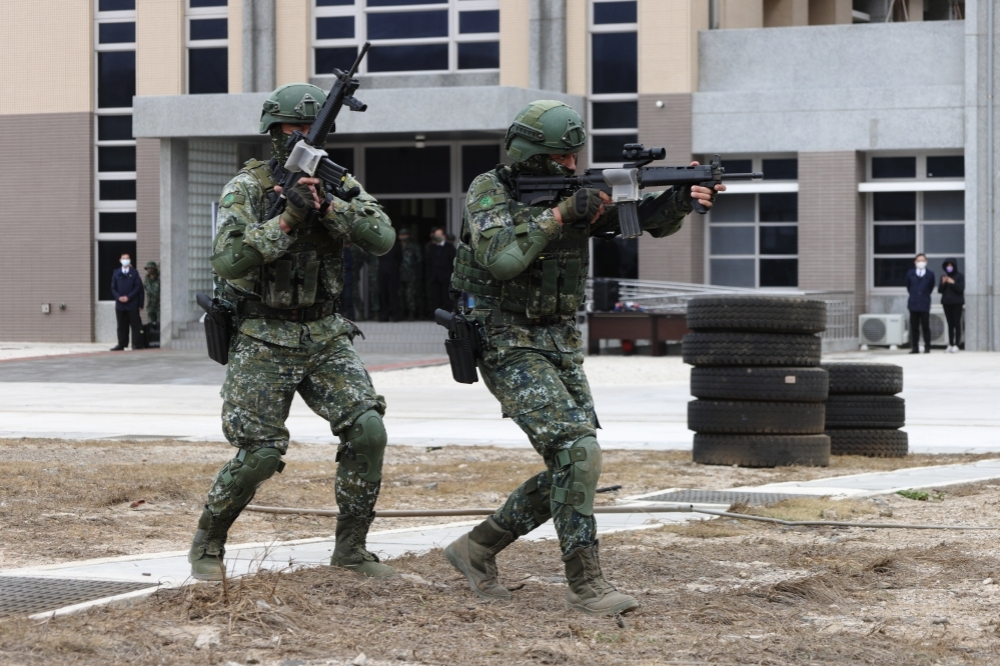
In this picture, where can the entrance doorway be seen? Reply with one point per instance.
(419, 216)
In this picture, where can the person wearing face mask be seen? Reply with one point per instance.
(952, 290)
(126, 287)
(920, 284)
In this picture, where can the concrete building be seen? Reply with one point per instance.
(872, 119)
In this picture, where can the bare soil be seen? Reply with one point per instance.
(713, 592)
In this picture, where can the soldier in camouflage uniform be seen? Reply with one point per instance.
(411, 274)
(527, 268)
(281, 278)
(152, 286)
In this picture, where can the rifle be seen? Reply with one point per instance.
(306, 156)
(623, 184)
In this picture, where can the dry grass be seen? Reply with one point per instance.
(738, 600)
(712, 592)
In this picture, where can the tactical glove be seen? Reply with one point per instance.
(300, 204)
(581, 206)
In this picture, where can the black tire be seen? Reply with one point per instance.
(763, 314)
(864, 378)
(865, 411)
(753, 349)
(787, 384)
(872, 443)
(752, 418)
(761, 450)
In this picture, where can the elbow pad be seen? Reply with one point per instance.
(373, 233)
(513, 259)
(236, 260)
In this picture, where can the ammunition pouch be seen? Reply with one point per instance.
(464, 345)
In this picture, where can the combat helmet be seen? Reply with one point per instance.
(291, 103)
(545, 127)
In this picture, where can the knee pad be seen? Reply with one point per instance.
(580, 467)
(243, 479)
(366, 439)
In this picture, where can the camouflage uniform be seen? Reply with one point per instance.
(533, 361)
(282, 289)
(527, 272)
(410, 280)
(152, 287)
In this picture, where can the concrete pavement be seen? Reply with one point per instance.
(641, 401)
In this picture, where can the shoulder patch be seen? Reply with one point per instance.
(232, 198)
(486, 201)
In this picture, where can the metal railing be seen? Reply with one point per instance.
(672, 297)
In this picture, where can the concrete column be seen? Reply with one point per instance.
(174, 255)
(832, 240)
(147, 204)
(782, 13)
(681, 257)
(982, 176)
(547, 45)
(828, 12)
(258, 39)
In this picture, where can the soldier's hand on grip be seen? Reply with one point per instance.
(300, 204)
(582, 206)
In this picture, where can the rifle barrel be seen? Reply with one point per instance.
(756, 175)
(357, 63)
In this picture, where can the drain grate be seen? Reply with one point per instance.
(720, 497)
(24, 596)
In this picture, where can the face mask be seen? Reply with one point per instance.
(950, 269)
(921, 265)
(126, 262)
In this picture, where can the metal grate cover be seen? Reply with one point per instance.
(25, 596)
(721, 497)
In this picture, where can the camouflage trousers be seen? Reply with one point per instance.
(261, 380)
(410, 299)
(547, 395)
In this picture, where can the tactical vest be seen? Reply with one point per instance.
(310, 272)
(553, 285)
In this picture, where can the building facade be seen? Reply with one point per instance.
(872, 120)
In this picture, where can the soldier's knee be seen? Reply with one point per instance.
(247, 471)
(363, 446)
(579, 469)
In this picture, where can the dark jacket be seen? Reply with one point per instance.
(389, 263)
(920, 290)
(441, 262)
(127, 285)
(952, 294)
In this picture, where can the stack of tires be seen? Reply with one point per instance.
(863, 413)
(758, 382)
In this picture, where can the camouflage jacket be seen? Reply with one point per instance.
(490, 205)
(243, 210)
(152, 287)
(411, 270)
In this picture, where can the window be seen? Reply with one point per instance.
(916, 203)
(207, 47)
(614, 106)
(114, 154)
(407, 35)
(753, 233)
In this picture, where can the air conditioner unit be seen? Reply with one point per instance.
(939, 327)
(883, 329)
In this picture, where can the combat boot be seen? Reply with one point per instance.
(474, 554)
(350, 553)
(208, 547)
(588, 591)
